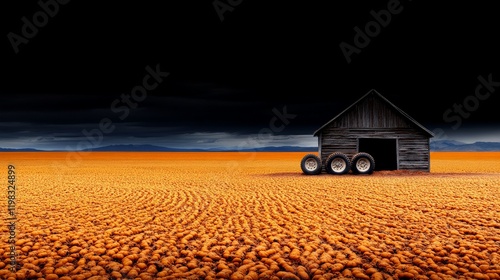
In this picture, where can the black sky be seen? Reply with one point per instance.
(228, 78)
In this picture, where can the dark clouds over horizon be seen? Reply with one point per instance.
(226, 78)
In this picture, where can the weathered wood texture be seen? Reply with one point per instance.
(375, 118)
(372, 112)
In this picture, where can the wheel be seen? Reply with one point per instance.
(311, 164)
(337, 163)
(362, 163)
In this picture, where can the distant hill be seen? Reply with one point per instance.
(139, 148)
(153, 148)
(450, 145)
(436, 146)
(282, 149)
(18, 150)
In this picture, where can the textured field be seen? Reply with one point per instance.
(250, 216)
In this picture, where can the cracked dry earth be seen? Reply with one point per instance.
(250, 216)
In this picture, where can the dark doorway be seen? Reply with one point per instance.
(384, 151)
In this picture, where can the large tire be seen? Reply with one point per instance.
(311, 164)
(337, 164)
(362, 163)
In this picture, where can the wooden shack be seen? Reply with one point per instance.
(374, 125)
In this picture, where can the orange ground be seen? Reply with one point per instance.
(250, 216)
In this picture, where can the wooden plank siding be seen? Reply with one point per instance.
(376, 118)
(372, 113)
(413, 146)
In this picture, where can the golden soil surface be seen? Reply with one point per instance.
(249, 216)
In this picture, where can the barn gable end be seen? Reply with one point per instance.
(373, 122)
(371, 112)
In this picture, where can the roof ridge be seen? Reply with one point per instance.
(373, 91)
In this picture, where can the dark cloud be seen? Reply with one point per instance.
(226, 78)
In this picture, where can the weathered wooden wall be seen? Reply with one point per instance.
(374, 118)
(413, 146)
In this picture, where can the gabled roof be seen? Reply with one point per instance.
(374, 92)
